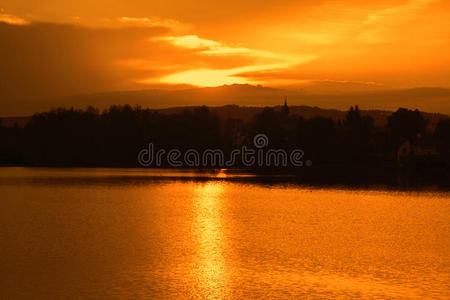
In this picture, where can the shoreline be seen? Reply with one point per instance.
(392, 176)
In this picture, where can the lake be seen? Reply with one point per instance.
(173, 234)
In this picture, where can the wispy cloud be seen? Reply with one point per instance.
(378, 23)
(265, 60)
(398, 13)
(154, 22)
(190, 42)
(10, 19)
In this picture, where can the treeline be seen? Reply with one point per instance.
(114, 137)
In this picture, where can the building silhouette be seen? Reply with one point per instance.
(285, 109)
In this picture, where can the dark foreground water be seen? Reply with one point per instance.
(133, 234)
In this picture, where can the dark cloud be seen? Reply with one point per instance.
(45, 60)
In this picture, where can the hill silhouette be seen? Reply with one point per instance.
(246, 113)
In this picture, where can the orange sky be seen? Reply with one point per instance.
(55, 47)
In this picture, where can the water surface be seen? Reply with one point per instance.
(141, 234)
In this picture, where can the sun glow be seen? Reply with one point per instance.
(262, 61)
(204, 78)
(209, 77)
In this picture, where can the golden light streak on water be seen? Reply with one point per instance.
(210, 267)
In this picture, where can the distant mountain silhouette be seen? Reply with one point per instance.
(336, 87)
(424, 99)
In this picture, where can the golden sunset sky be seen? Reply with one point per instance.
(55, 48)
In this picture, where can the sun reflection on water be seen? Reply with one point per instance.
(210, 267)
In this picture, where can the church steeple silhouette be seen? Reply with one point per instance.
(285, 109)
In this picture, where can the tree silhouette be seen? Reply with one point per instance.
(317, 136)
(114, 137)
(357, 134)
(405, 125)
(442, 139)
